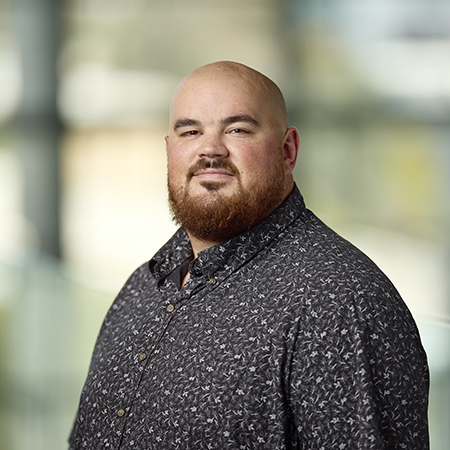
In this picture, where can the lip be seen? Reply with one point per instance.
(212, 173)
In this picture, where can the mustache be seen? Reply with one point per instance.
(212, 164)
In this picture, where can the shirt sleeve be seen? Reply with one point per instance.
(359, 375)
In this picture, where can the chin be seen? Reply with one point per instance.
(213, 185)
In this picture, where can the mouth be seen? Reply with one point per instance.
(213, 174)
(213, 170)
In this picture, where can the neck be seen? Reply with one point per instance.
(199, 245)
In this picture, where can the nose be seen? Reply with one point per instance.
(212, 146)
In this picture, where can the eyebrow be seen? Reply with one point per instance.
(240, 118)
(180, 123)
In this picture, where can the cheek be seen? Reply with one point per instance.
(174, 172)
(175, 163)
(258, 165)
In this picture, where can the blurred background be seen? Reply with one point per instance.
(85, 87)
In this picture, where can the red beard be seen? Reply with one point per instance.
(214, 217)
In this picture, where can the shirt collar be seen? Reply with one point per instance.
(171, 255)
(224, 258)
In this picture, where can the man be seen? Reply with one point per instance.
(255, 326)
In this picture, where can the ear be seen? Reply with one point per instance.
(167, 143)
(290, 148)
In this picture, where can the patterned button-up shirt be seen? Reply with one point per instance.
(284, 337)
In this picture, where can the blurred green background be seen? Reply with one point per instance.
(85, 87)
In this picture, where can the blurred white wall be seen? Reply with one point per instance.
(366, 84)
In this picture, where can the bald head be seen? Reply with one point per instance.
(230, 152)
(236, 79)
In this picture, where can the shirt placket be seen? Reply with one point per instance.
(171, 304)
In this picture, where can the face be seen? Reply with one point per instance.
(229, 159)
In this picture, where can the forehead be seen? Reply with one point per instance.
(217, 97)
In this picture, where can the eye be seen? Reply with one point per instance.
(190, 133)
(238, 131)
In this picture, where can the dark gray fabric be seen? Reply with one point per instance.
(285, 337)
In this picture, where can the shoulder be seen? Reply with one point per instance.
(139, 278)
(139, 281)
(330, 277)
(310, 248)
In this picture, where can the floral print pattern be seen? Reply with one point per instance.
(284, 337)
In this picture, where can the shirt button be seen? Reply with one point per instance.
(212, 281)
(170, 308)
(121, 412)
(142, 356)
